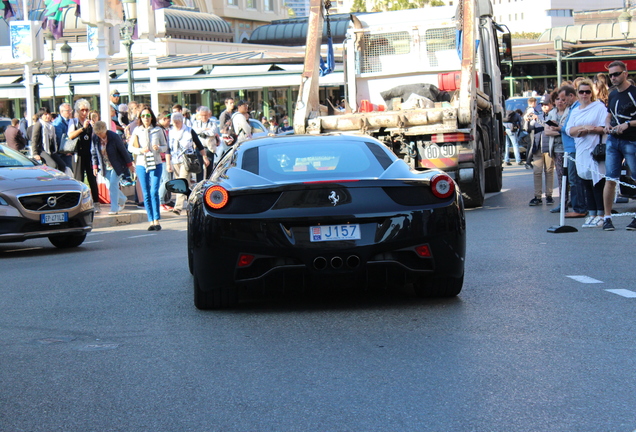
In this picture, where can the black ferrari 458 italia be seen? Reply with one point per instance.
(321, 211)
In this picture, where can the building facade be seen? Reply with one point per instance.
(536, 16)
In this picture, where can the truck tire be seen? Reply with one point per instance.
(494, 175)
(474, 191)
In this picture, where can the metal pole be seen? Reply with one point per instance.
(128, 43)
(52, 75)
(559, 72)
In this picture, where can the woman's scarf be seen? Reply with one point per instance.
(48, 137)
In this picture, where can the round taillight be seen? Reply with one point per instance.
(442, 186)
(216, 197)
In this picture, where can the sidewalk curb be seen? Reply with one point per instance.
(104, 220)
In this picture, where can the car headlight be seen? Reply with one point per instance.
(86, 194)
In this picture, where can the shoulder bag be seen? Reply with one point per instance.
(68, 145)
(193, 166)
(598, 154)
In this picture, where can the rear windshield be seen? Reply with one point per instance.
(317, 160)
(515, 104)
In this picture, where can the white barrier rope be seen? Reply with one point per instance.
(617, 181)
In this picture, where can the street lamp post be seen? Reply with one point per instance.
(127, 30)
(66, 60)
(558, 47)
(623, 21)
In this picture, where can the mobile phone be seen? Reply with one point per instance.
(551, 123)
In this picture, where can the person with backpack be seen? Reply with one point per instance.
(513, 125)
(241, 125)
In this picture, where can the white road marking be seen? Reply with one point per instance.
(101, 233)
(623, 292)
(24, 249)
(94, 241)
(585, 279)
(143, 235)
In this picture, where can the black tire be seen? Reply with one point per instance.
(67, 241)
(494, 180)
(438, 286)
(474, 191)
(218, 298)
(494, 174)
(190, 255)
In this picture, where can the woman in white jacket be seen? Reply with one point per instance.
(586, 125)
(147, 142)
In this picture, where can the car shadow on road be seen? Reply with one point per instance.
(345, 299)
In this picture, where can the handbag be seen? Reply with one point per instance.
(192, 163)
(69, 146)
(598, 154)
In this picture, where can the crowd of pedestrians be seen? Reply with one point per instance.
(565, 132)
(134, 147)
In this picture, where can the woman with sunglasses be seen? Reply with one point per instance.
(147, 143)
(586, 126)
(80, 127)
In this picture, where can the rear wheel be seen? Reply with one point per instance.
(67, 241)
(494, 176)
(474, 191)
(438, 286)
(215, 298)
(190, 255)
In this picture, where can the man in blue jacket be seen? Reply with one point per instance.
(61, 128)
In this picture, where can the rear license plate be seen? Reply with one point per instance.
(434, 151)
(334, 232)
(54, 218)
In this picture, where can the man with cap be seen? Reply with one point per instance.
(542, 161)
(114, 100)
(285, 127)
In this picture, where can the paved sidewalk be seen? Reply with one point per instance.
(130, 215)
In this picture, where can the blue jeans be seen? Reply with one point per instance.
(149, 182)
(117, 198)
(164, 195)
(616, 150)
(577, 189)
(511, 139)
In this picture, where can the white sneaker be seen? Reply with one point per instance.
(112, 213)
(121, 207)
(592, 222)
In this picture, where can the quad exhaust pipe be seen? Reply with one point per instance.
(321, 263)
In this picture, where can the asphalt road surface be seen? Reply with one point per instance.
(542, 338)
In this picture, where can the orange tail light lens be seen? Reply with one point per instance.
(216, 197)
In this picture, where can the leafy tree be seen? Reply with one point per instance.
(359, 6)
(526, 35)
(394, 5)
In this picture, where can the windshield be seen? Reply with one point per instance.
(302, 161)
(10, 158)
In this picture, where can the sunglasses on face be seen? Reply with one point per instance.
(146, 116)
(115, 95)
(585, 92)
(615, 74)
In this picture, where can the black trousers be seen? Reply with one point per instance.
(83, 165)
(54, 161)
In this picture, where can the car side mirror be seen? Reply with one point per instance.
(180, 186)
